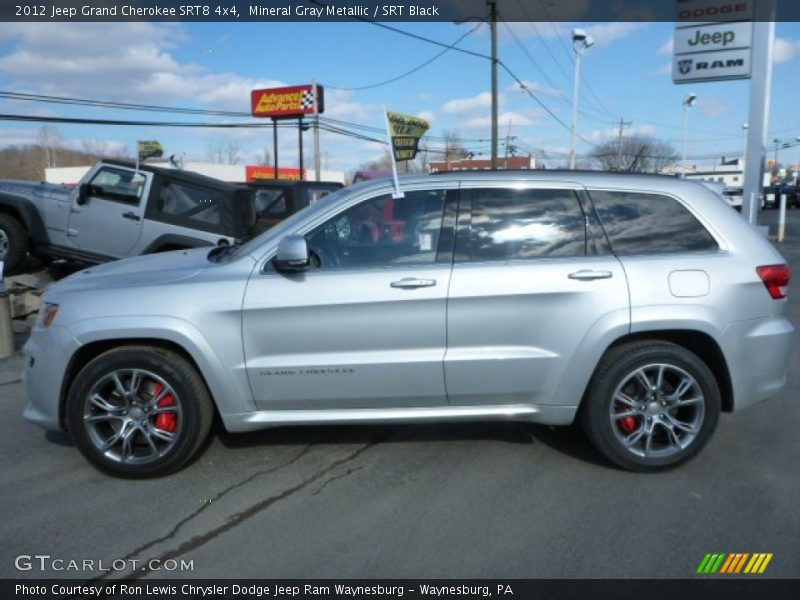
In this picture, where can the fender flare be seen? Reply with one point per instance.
(25, 210)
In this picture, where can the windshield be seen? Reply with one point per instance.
(284, 226)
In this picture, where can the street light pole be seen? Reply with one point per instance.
(687, 104)
(493, 30)
(580, 42)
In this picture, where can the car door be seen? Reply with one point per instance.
(365, 326)
(107, 218)
(533, 283)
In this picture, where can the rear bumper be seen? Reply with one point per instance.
(758, 358)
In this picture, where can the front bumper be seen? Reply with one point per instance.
(47, 355)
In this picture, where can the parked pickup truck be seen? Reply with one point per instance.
(119, 210)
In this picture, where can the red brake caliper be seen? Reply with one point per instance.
(627, 424)
(166, 421)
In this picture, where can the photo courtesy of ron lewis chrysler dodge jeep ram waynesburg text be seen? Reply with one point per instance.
(640, 306)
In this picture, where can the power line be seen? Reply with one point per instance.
(415, 69)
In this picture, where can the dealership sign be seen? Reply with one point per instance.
(712, 40)
(287, 102)
(695, 12)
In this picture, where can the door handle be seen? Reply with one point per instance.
(132, 216)
(589, 275)
(408, 283)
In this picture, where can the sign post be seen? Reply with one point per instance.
(763, 39)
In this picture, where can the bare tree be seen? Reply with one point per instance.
(640, 154)
(49, 141)
(265, 158)
(225, 152)
(453, 148)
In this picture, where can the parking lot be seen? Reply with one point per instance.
(503, 500)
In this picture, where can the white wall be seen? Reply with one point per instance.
(232, 173)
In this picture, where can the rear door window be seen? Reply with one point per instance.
(644, 223)
(510, 224)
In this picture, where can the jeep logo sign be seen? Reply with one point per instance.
(724, 36)
(711, 66)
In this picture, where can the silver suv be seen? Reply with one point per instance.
(641, 306)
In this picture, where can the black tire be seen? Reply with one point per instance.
(13, 242)
(672, 428)
(190, 425)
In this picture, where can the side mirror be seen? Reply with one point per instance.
(83, 193)
(292, 254)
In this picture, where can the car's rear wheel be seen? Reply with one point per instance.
(139, 411)
(650, 405)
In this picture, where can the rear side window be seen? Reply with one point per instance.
(187, 202)
(524, 224)
(638, 223)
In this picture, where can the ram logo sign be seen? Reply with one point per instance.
(711, 66)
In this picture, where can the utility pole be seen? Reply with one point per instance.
(493, 28)
(622, 124)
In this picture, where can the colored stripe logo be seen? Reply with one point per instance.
(737, 562)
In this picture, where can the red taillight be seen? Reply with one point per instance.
(776, 278)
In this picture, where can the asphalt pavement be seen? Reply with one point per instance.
(501, 500)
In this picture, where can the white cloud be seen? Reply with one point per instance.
(785, 50)
(668, 48)
(536, 88)
(517, 120)
(117, 61)
(601, 135)
(428, 115)
(467, 105)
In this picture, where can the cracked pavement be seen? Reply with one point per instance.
(502, 500)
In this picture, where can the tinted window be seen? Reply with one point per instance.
(518, 224)
(639, 223)
(118, 185)
(270, 202)
(381, 231)
(187, 202)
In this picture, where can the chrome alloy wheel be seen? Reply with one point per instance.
(132, 416)
(657, 411)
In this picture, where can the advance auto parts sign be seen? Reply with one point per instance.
(405, 132)
(287, 102)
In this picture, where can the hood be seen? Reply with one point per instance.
(150, 269)
(34, 188)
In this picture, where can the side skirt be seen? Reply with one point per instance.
(547, 415)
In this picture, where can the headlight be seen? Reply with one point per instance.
(47, 314)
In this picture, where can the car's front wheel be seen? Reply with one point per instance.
(138, 411)
(650, 405)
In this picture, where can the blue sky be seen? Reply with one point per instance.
(214, 65)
